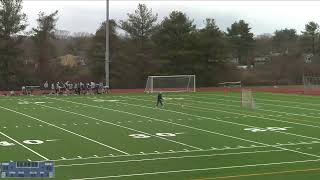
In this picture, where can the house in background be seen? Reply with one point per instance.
(259, 60)
(71, 60)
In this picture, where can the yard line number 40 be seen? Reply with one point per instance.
(144, 136)
(28, 142)
(267, 129)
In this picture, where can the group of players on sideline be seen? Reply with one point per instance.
(66, 88)
(69, 88)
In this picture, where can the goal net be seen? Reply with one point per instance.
(311, 84)
(247, 99)
(230, 84)
(175, 83)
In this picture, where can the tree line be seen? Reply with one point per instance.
(143, 45)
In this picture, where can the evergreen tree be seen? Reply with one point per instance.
(175, 40)
(285, 39)
(42, 37)
(140, 24)
(12, 22)
(241, 40)
(312, 32)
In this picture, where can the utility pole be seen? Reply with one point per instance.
(107, 55)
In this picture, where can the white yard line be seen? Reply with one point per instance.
(237, 106)
(271, 100)
(266, 110)
(193, 170)
(213, 119)
(124, 127)
(34, 152)
(241, 114)
(228, 98)
(64, 130)
(182, 125)
(166, 158)
(260, 109)
(189, 151)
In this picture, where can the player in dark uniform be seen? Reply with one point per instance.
(79, 86)
(159, 99)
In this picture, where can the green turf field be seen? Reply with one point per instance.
(196, 136)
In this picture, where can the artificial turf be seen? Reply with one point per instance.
(194, 136)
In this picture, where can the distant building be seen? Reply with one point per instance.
(244, 67)
(273, 54)
(261, 60)
(71, 60)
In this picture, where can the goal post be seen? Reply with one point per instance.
(311, 84)
(173, 83)
(246, 99)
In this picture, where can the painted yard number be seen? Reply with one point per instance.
(29, 142)
(144, 136)
(267, 129)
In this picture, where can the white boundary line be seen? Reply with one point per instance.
(234, 113)
(273, 100)
(189, 151)
(182, 125)
(193, 170)
(230, 99)
(282, 112)
(107, 122)
(231, 105)
(213, 119)
(166, 158)
(238, 101)
(64, 130)
(265, 110)
(38, 154)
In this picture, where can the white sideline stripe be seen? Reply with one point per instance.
(203, 169)
(107, 122)
(184, 151)
(258, 116)
(273, 100)
(63, 129)
(266, 110)
(236, 113)
(219, 120)
(256, 102)
(230, 105)
(211, 132)
(166, 158)
(288, 113)
(23, 145)
(227, 122)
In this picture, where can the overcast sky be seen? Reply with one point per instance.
(263, 16)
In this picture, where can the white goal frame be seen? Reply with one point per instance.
(190, 85)
(311, 84)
